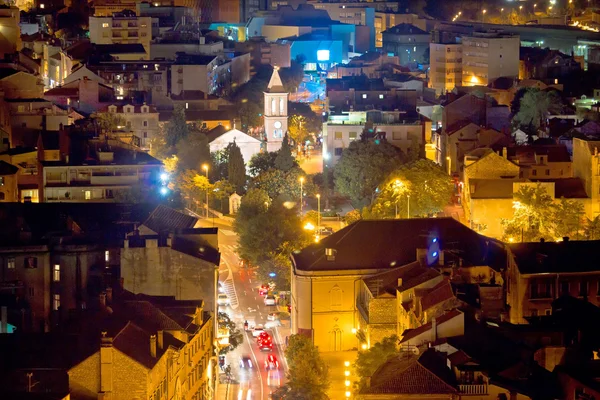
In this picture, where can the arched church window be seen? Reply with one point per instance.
(273, 111)
(281, 107)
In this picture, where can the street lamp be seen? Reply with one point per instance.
(205, 168)
(449, 164)
(301, 194)
(408, 206)
(319, 213)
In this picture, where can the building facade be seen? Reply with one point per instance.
(407, 42)
(276, 114)
(487, 56)
(124, 27)
(445, 69)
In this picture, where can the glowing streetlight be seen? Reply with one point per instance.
(346, 363)
(520, 8)
(534, 6)
(460, 12)
(502, 10)
(348, 394)
(205, 168)
(319, 212)
(449, 161)
(301, 193)
(347, 373)
(484, 11)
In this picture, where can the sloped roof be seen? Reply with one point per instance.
(387, 282)
(216, 132)
(164, 218)
(412, 333)
(7, 169)
(405, 29)
(238, 135)
(275, 85)
(375, 244)
(120, 48)
(555, 257)
(415, 375)
(438, 294)
(526, 154)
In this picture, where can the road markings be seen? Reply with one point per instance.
(257, 365)
(227, 232)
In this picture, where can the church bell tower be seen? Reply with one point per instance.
(276, 113)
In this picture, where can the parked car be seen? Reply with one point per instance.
(223, 300)
(271, 362)
(246, 362)
(270, 300)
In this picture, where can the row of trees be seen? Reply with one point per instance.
(537, 216)
(379, 178)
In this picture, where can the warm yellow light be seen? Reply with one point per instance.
(302, 179)
(484, 11)
(520, 7)
(347, 383)
(348, 394)
(347, 373)
(502, 10)
(318, 196)
(353, 330)
(364, 346)
(448, 158)
(474, 79)
(347, 363)
(511, 240)
(309, 226)
(205, 167)
(317, 238)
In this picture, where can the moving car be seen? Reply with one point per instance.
(223, 300)
(271, 362)
(274, 316)
(273, 324)
(246, 362)
(265, 342)
(270, 300)
(263, 290)
(257, 330)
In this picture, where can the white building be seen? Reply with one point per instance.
(141, 121)
(276, 113)
(248, 145)
(122, 28)
(487, 56)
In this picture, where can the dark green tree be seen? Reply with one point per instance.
(568, 215)
(193, 152)
(236, 171)
(262, 162)
(254, 203)
(177, 127)
(236, 337)
(369, 360)
(283, 185)
(364, 165)
(532, 216)
(534, 108)
(592, 228)
(308, 375)
(284, 160)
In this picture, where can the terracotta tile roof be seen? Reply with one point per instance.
(375, 245)
(418, 278)
(411, 333)
(438, 294)
(387, 282)
(416, 375)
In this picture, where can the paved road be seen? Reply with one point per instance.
(246, 304)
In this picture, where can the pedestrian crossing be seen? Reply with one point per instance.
(229, 290)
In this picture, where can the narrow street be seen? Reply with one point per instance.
(241, 287)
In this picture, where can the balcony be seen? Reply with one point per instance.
(11, 285)
(114, 180)
(473, 389)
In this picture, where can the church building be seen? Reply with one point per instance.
(276, 113)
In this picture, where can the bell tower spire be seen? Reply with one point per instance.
(276, 111)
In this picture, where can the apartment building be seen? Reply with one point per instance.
(406, 41)
(586, 166)
(487, 56)
(388, 19)
(445, 69)
(140, 121)
(122, 28)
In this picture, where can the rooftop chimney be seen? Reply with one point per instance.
(433, 330)
(161, 339)
(153, 346)
(399, 282)
(505, 152)
(330, 254)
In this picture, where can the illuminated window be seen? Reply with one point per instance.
(338, 135)
(273, 109)
(88, 195)
(364, 96)
(56, 302)
(187, 106)
(281, 107)
(381, 96)
(336, 296)
(352, 136)
(56, 273)
(10, 263)
(107, 256)
(105, 24)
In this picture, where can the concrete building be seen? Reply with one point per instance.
(84, 95)
(407, 42)
(385, 20)
(20, 85)
(326, 277)
(8, 182)
(122, 28)
(445, 69)
(265, 53)
(141, 121)
(586, 166)
(35, 114)
(183, 265)
(10, 31)
(488, 56)
(276, 112)
(136, 359)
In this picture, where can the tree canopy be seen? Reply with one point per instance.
(369, 360)
(308, 375)
(534, 107)
(177, 127)
(284, 160)
(537, 216)
(362, 168)
(236, 337)
(262, 162)
(193, 152)
(283, 185)
(422, 183)
(236, 170)
(109, 122)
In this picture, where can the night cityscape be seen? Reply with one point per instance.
(299, 200)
